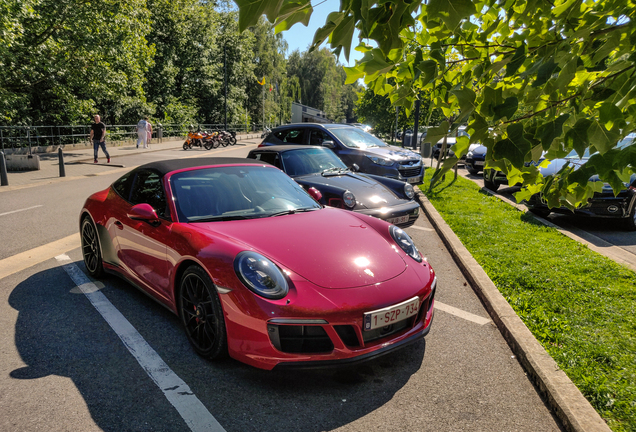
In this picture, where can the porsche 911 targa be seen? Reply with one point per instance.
(255, 267)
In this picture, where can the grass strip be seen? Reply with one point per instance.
(578, 304)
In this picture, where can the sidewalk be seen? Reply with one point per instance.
(78, 162)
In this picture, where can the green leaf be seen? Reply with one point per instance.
(285, 22)
(450, 11)
(544, 73)
(373, 63)
(602, 138)
(466, 99)
(514, 148)
(517, 60)
(461, 146)
(251, 10)
(548, 131)
(342, 35)
(434, 134)
(506, 109)
(577, 137)
(610, 114)
(353, 74)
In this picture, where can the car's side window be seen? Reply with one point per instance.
(270, 158)
(292, 136)
(122, 186)
(317, 137)
(148, 188)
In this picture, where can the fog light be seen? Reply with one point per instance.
(612, 209)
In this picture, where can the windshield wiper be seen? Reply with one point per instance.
(218, 218)
(293, 211)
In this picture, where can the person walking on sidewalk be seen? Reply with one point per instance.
(142, 132)
(98, 137)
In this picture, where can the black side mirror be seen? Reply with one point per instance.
(355, 168)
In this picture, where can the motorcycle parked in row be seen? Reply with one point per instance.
(227, 138)
(202, 139)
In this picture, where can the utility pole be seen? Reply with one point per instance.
(225, 82)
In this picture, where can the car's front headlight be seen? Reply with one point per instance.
(349, 199)
(405, 243)
(409, 191)
(381, 161)
(469, 154)
(260, 275)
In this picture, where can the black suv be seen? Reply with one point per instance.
(353, 146)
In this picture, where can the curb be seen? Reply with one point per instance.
(567, 401)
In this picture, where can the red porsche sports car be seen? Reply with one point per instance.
(255, 267)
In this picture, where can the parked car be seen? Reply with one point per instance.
(354, 147)
(603, 204)
(255, 267)
(319, 168)
(475, 158)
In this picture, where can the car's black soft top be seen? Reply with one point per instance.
(166, 166)
(284, 148)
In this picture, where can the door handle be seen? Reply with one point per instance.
(119, 225)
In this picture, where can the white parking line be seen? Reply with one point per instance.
(195, 414)
(21, 210)
(461, 314)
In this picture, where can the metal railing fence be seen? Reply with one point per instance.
(21, 137)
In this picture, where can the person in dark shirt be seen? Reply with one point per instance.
(98, 137)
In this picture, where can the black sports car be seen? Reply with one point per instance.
(331, 183)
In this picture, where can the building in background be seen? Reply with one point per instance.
(304, 114)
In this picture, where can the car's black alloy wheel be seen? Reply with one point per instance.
(90, 249)
(201, 313)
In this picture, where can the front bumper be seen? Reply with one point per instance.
(323, 327)
(410, 209)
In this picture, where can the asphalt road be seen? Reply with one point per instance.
(62, 367)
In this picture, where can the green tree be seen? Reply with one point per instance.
(530, 76)
(65, 59)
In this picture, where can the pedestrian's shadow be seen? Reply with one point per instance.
(58, 332)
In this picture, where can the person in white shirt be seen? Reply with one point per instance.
(142, 132)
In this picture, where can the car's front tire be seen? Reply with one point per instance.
(201, 313)
(630, 222)
(91, 249)
(472, 171)
(488, 181)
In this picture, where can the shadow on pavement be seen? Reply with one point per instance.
(58, 332)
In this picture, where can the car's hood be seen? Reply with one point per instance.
(369, 193)
(394, 153)
(329, 247)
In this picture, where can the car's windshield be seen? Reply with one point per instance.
(237, 192)
(356, 138)
(310, 161)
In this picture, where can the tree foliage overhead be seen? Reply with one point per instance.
(528, 76)
(64, 60)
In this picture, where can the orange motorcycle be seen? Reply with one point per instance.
(194, 139)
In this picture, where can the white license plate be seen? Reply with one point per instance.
(414, 179)
(398, 220)
(479, 163)
(391, 314)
